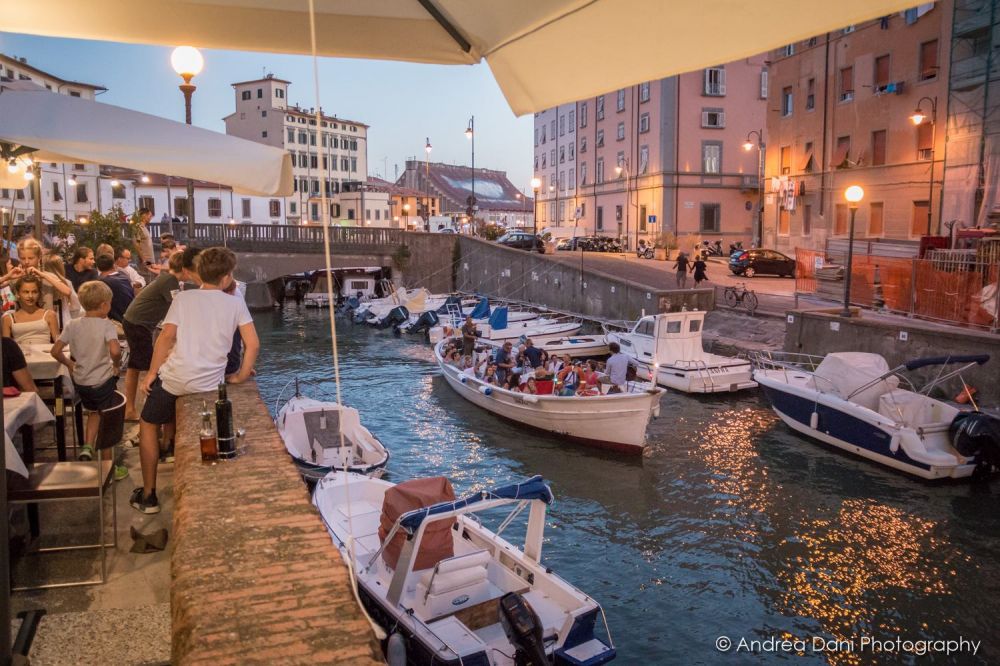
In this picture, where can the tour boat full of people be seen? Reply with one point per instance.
(322, 436)
(855, 402)
(565, 396)
(668, 349)
(448, 589)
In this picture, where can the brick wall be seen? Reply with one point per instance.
(255, 576)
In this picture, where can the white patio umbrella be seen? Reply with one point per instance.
(542, 52)
(59, 128)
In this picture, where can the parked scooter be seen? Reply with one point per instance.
(643, 251)
(710, 250)
(735, 247)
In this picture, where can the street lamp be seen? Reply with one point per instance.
(470, 134)
(535, 184)
(748, 145)
(623, 167)
(918, 117)
(520, 197)
(427, 185)
(854, 194)
(187, 61)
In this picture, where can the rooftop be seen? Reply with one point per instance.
(22, 63)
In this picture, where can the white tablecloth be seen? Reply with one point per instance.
(43, 367)
(22, 410)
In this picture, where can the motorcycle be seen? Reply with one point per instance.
(644, 251)
(711, 250)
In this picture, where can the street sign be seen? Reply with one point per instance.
(652, 219)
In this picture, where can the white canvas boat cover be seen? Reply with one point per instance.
(845, 372)
(417, 302)
(527, 44)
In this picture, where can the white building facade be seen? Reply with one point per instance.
(324, 157)
(555, 164)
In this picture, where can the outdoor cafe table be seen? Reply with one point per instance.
(44, 368)
(26, 409)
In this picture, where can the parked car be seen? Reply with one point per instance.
(759, 262)
(522, 241)
(578, 243)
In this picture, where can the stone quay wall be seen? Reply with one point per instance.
(824, 331)
(255, 575)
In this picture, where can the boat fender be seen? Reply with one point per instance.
(656, 411)
(395, 650)
(814, 420)
(894, 442)
(463, 378)
(527, 397)
(486, 390)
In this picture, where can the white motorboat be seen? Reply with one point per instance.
(853, 401)
(575, 346)
(615, 422)
(325, 436)
(500, 329)
(668, 348)
(317, 296)
(457, 592)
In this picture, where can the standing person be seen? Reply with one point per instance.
(81, 267)
(144, 245)
(469, 335)
(532, 353)
(144, 315)
(70, 305)
(190, 357)
(505, 362)
(166, 224)
(123, 262)
(617, 368)
(682, 266)
(119, 283)
(699, 270)
(94, 363)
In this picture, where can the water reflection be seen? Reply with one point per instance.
(731, 525)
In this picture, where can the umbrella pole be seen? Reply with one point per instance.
(36, 194)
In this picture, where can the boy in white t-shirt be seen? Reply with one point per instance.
(190, 357)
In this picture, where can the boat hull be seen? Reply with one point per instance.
(860, 433)
(611, 422)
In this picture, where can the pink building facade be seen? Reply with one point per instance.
(662, 156)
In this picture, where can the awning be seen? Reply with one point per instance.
(807, 162)
(529, 45)
(60, 128)
(840, 154)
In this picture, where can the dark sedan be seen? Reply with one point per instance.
(761, 262)
(522, 241)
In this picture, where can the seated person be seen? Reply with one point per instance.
(30, 324)
(121, 286)
(15, 368)
(530, 386)
(490, 375)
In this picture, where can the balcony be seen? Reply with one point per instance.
(749, 183)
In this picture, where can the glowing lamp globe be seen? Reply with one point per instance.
(854, 194)
(187, 61)
(536, 183)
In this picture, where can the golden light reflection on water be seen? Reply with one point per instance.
(834, 564)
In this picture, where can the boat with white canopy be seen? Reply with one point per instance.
(856, 402)
(322, 436)
(668, 349)
(611, 421)
(458, 592)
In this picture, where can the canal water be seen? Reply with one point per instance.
(731, 526)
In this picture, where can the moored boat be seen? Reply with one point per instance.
(614, 422)
(326, 436)
(457, 592)
(854, 401)
(668, 349)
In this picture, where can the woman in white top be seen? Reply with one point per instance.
(29, 252)
(30, 324)
(69, 303)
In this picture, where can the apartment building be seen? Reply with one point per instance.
(328, 156)
(68, 190)
(661, 156)
(839, 114)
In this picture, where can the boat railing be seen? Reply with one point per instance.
(779, 360)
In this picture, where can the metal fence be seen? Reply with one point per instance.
(950, 288)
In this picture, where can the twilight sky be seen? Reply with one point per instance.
(404, 103)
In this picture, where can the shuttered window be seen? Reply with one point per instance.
(928, 60)
(881, 71)
(878, 147)
(846, 84)
(925, 145)
(876, 226)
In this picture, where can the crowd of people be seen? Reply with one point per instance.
(528, 369)
(179, 317)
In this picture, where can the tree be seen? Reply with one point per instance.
(113, 228)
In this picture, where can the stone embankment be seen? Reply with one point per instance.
(256, 578)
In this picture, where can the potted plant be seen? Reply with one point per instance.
(663, 245)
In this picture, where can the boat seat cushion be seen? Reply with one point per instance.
(456, 583)
(914, 409)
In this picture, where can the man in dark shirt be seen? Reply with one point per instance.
(15, 368)
(80, 268)
(120, 284)
(532, 353)
(505, 362)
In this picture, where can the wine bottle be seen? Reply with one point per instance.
(209, 443)
(224, 427)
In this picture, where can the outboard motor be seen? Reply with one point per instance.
(977, 435)
(523, 629)
(398, 315)
(425, 322)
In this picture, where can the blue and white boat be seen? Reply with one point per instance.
(454, 591)
(856, 402)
